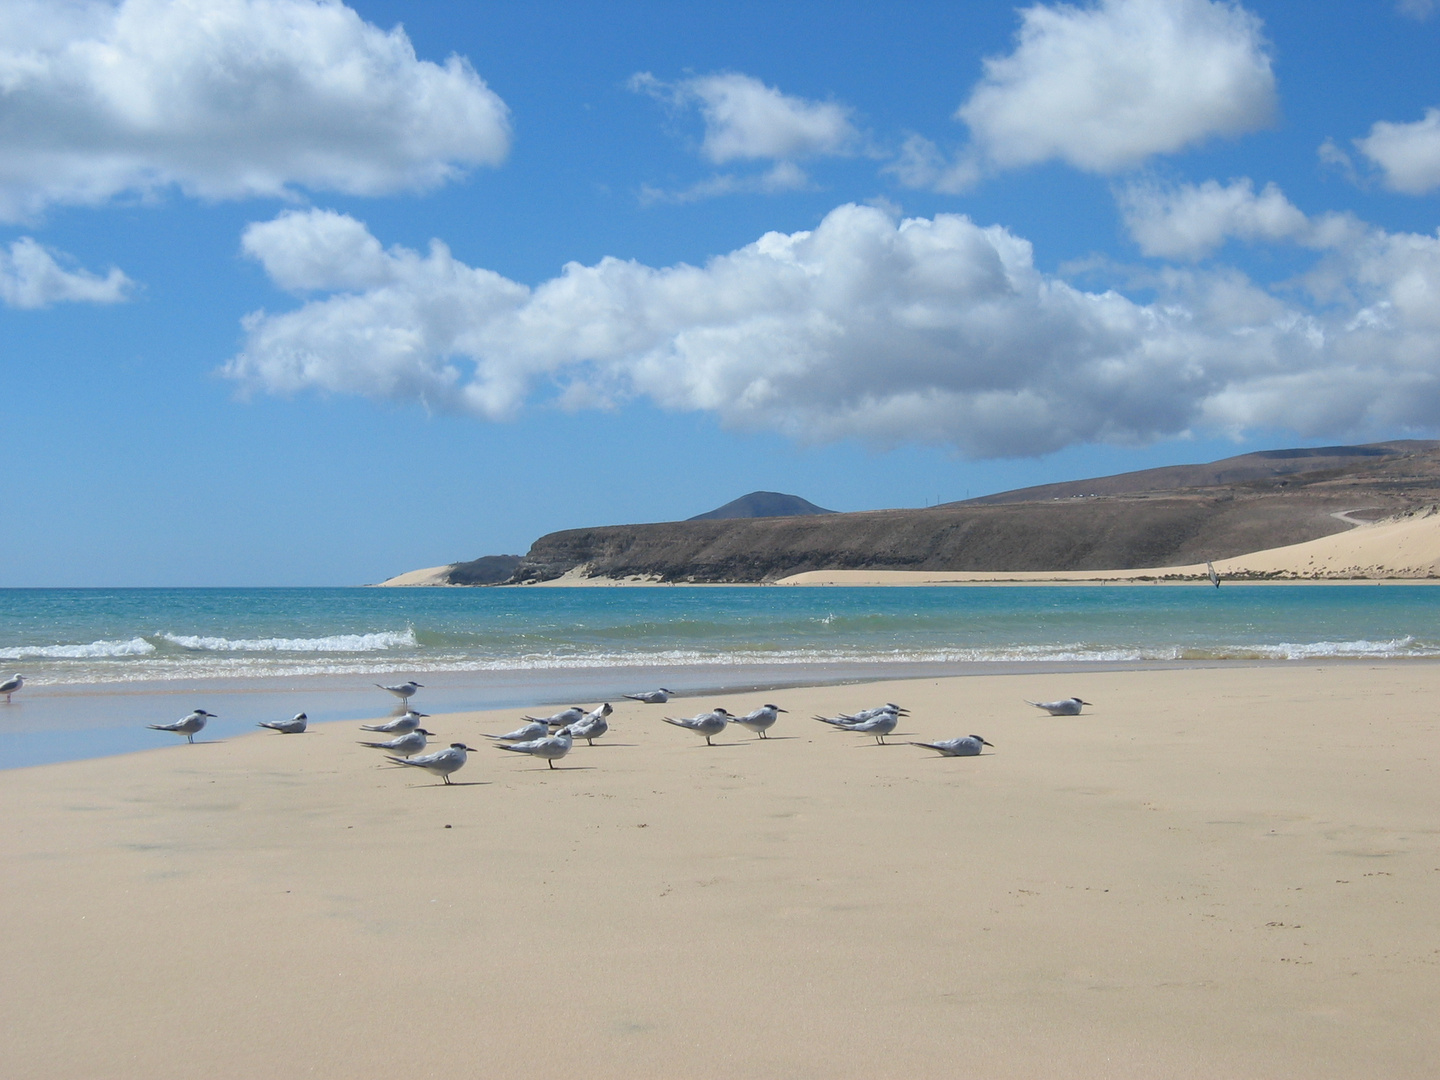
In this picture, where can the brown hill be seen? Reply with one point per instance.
(1246, 469)
(1216, 511)
(762, 504)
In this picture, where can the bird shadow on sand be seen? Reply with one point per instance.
(453, 783)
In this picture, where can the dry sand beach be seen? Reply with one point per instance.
(1219, 872)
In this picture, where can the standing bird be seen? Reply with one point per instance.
(442, 762)
(592, 727)
(600, 712)
(964, 746)
(559, 719)
(879, 724)
(294, 726)
(552, 748)
(405, 745)
(535, 729)
(653, 697)
(846, 720)
(870, 714)
(401, 725)
(707, 724)
(1069, 706)
(187, 726)
(10, 685)
(405, 691)
(761, 720)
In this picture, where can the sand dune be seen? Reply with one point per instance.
(1404, 547)
(1210, 874)
(431, 575)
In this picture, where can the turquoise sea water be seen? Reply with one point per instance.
(100, 661)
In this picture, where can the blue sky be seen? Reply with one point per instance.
(306, 293)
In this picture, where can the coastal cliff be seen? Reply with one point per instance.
(1170, 517)
(1155, 518)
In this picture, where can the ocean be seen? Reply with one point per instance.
(100, 663)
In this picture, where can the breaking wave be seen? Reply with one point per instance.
(96, 650)
(271, 661)
(335, 643)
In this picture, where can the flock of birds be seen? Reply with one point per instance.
(550, 738)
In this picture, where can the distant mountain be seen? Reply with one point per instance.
(1155, 518)
(763, 504)
(1175, 516)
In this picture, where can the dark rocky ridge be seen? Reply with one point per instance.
(486, 570)
(1244, 469)
(1231, 508)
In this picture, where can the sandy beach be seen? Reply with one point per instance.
(1214, 872)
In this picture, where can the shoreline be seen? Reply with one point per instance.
(73, 728)
(1203, 875)
(926, 578)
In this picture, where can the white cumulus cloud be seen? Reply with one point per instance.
(317, 249)
(1190, 221)
(746, 120)
(1408, 155)
(931, 330)
(31, 277)
(922, 164)
(1107, 85)
(226, 99)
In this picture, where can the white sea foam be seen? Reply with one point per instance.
(95, 650)
(335, 643)
(1406, 646)
(138, 661)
